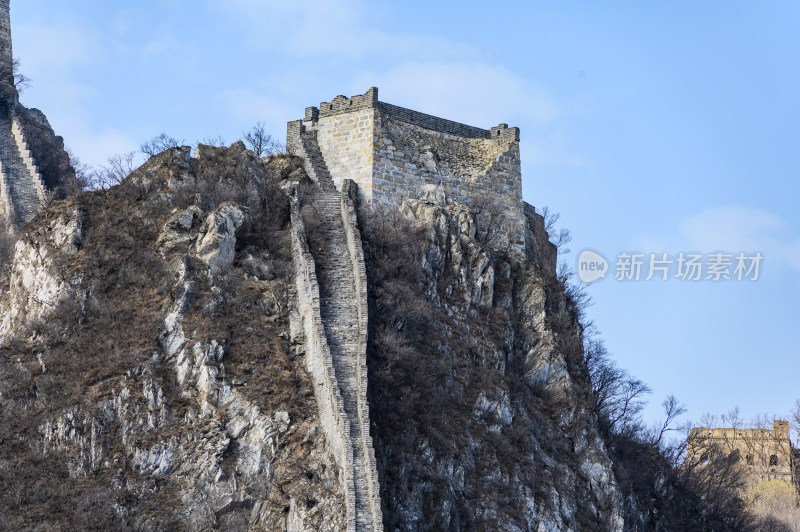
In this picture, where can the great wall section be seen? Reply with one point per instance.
(332, 322)
(361, 150)
(22, 191)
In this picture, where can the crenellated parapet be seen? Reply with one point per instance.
(341, 105)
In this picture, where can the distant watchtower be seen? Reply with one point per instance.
(761, 453)
(22, 191)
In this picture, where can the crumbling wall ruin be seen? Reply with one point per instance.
(764, 454)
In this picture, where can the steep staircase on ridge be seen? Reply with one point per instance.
(20, 184)
(317, 170)
(339, 300)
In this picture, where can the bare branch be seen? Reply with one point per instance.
(116, 169)
(261, 142)
(672, 409)
(158, 144)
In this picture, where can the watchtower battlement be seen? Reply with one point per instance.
(391, 153)
(342, 104)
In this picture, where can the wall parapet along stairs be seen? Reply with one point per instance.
(22, 193)
(25, 153)
(334, 324)
(353, 238)
(303, 143)
(6, 207)
(318, 360)
(22, 190)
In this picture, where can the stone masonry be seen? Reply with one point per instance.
(360, 149)
(763, 453)
(22, 192)
(331, 319)
(391, 153)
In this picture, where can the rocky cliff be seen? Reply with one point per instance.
(147, 377)
(159, 368)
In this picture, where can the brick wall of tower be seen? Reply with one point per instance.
(764, 454)
(345, 140)
(470, 167)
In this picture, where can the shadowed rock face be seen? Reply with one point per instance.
(478, 387)
(47, 149)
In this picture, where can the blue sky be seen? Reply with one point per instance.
(651, 127)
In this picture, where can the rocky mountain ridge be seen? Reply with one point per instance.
(156, 372)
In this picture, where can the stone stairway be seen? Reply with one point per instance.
(345, 333)
(20, 177)
(303, 143)
(314, 156)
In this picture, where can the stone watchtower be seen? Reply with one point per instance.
(22, 192)
(763, 454)
(392, 153)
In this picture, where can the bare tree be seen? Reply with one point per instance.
(559, 237)
(712, 473)
(619, 397)
(261, 142)
(216, 141)
(11, 81)
(159, 143)
(72, 185)
(777, 504)
(672, 410)
(116, 169)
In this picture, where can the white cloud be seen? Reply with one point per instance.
(300, 27)
(551, 148)
(475, 93)
(341, 30)
(245, 103)
(732, 229)
(60, 45)
(94, 147)
(57, 51)
(427, 73)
